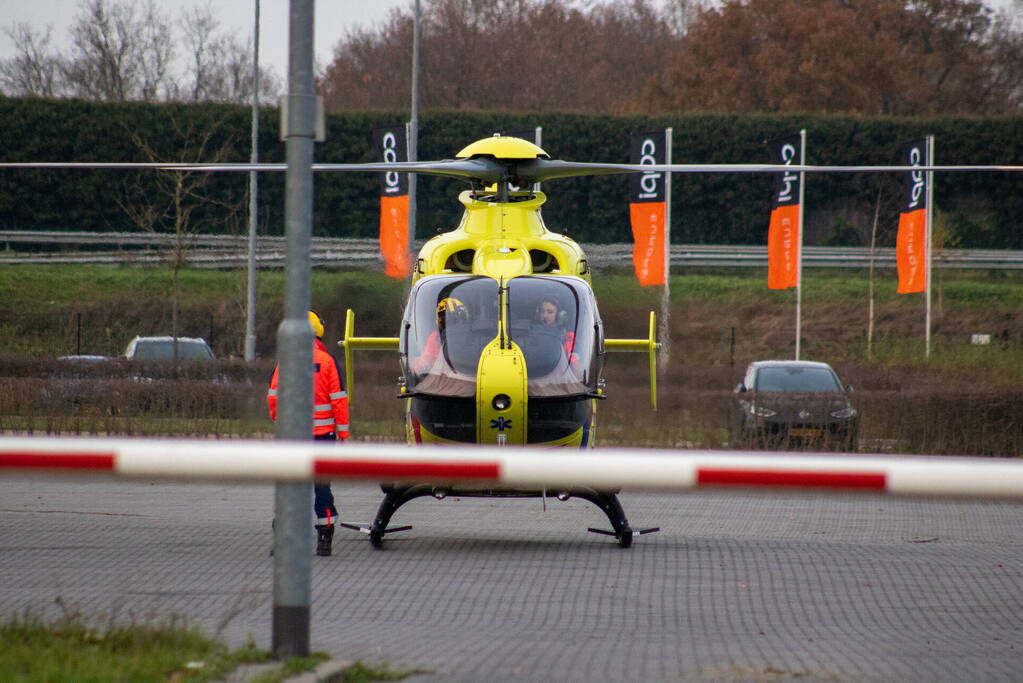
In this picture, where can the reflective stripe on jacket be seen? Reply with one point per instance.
(330, 400)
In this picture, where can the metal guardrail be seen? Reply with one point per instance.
(227, 251)
(826, 257)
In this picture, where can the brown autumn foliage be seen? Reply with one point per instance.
(541, 55)
(873, 57)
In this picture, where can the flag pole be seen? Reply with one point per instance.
(664, 328)
(799, 243)
(927, 245)
(412, 140)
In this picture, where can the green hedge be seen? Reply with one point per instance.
(978, 209)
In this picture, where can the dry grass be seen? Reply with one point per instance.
(963, 399)
(903, 409)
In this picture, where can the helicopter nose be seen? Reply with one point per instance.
(501, 395)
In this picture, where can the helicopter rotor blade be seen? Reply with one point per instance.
(488, 170)
(525, 171)
(539, 170)
(483, 169)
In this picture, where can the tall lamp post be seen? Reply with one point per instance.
(250, 288)
(293, 500)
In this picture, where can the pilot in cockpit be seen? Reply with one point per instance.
(550, 313)
(449, 310)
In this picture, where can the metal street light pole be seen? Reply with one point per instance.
(293, 500)
(250, 288)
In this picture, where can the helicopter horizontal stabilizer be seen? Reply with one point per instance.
(352, 343)
(650, 345)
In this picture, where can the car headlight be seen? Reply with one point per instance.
(761, 411)
(844, 413)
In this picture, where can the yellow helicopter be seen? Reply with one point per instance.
(501, 342)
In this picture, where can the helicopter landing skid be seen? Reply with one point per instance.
(610, 505)
(396, 496)
(625, 537)
(376, 533)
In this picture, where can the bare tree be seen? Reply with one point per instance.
(237, 75)
(179, 194)
(125, 50)
(122, 51)
(204, 52)
(34, 71)
(218, 64)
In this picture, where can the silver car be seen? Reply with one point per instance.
(162, 349)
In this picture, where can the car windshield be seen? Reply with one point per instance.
(796, 378)
(160, 349)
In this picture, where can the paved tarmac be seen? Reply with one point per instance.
(736, 586)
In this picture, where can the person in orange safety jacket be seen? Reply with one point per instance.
(330, 423)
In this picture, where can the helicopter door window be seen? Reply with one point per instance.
(553, 322)
(449, 321)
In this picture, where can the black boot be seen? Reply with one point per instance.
(324, 539)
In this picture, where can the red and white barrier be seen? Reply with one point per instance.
(525, 468)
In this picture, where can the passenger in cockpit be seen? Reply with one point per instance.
(449, 309)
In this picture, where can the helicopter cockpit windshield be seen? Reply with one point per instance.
(451, 319)
(554, 322)
(447, 324)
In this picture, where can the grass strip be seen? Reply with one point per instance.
(71, 649)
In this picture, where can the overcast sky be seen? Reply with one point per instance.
(333, 18)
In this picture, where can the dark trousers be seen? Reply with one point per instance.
(323, 497)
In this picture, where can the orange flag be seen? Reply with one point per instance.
(782, 242)
(648, 208)
(394, 235)
(911, 243)
(783, 234)
(391, 145)
(648, 242)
